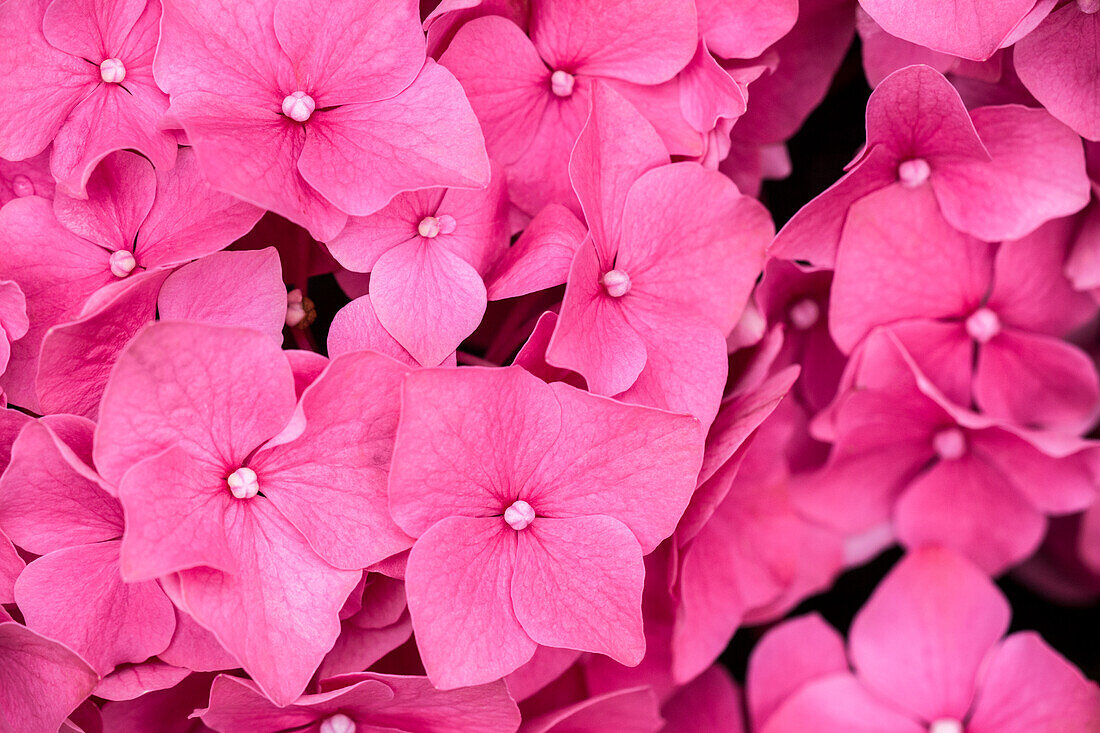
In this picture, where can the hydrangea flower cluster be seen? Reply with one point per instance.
(435, 366)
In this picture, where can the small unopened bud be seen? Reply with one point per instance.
(122, 262)
(561, 83)
(913, 173)
(298, 106)
(300, 311)
(112, 71)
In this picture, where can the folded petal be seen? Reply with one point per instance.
(541, 257)
(973, 29)
(117, 622)
(117, 199)
(43, 681)
(633, 710)
(459, 584)
(743, 29)
(11, 565)
(578, 584)
(1055, 484)
(216, 392)
(356, 327)
(360, 155)
(330, 481)
(427, 297)
(468, 442)
(837, 702)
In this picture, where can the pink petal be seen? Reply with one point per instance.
(1054, 65)
(89, 29)
(928, 268)
(48, 502)
(242, 289)
(132, 681)
(789, 657)
(1037, 380)
(837, 702)
(635, 40)
(252, 152)
(920, 640)
(541, 257)
(356, 327)
(39, 84)
(709, 93)
(359, 156)
(458, 581)
(1027, 686)
(117, 622)
(77, 357)
(1018, 190)
(195, 386)
(11, 565)
(366, 238)
(593, 336)
(288, 630)
(633, 710)
(152, 712)
(330, 481)
(973, 29)
(192, 646)
(707, 703)
(189, 218)
(631, 463)
(42, 680)
(615, 147)
(467, 442)
(578, 584)
(883, 54)
(532, 355)
(743, 29)
(350, 52)
(1058, 485)
(427, 297)
(118, 197)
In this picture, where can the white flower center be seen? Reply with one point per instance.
(298, 106)
(338, 723)
(982, 325)
(561, 83)
(804, 314)
(616, 283)
(946, 725)
(112, 71)
(913, 173)
(519, 515)
(243, 483)
(122, 262)
(949, 444)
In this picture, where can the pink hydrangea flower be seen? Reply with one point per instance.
(316, 110)
(939, 470)
(246, 498)
(427, 253)
(364, 701)
(79, 73)
(997, 172)
(532, 505)
(373, 623)
(984, 322)
(926, 654)
(13, 320)
(533, 113)
(53, 505)
(668, 266)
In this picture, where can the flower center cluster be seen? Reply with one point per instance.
(298, 106)
(122, 262)
(945, 725)
(616, 283)
(112, 71)
(338, 723)
(519, 515)
(914, 172)
(432, 226)
(243, 484)
(982, 325)
(804, 314)
(949, 444)
(22, 186)
(561, 83)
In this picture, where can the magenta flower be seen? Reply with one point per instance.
(533, 505)
(427, 253)
(80, 74)
(672, 254)
(997, 173)
(246, 498)
(532, 94)
(316, 110)
(53, 504)
(984, 321)
(939, 470)
(361, 702)
(134, 221)
(1059, 62)
(44, 681)
(926, 654)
